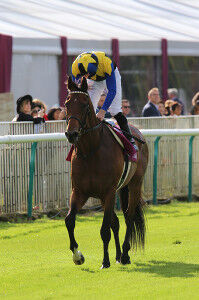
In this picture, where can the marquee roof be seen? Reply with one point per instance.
(131, 21)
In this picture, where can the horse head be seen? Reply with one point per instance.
(78, 108)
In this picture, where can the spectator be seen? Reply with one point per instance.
(100, 104)
(176, 109)
(41, 105)
(173, 108)
(62, 115)
(55, 113)
(168, 104)
(173, 95)
(195, 105)
(151, 108)
(162, 109)
(195, 98)
(126, 108)
(24, 105)
(36, 108)
(195, 109)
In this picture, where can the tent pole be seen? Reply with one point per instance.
(116, 52)
(164, 69)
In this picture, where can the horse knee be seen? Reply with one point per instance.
(105, 234)
(115, 224)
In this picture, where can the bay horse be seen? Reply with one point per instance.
(96, 167)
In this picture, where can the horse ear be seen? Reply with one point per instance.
(84, 85)
(69, 83)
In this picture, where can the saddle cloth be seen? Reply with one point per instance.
(129, 150)
(126, 144)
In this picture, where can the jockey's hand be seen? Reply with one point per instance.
(100, 115)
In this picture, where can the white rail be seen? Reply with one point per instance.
(28, 138)
(170, 132)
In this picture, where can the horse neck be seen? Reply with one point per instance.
(90, 141)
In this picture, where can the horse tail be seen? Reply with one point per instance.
(137, 225)
(134, 217)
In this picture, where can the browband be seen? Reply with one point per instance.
(79, 92)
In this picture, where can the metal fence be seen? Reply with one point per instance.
(172, 178)
(52, 172)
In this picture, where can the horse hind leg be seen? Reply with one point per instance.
(124, 198)
(115, 228)
(134, 218)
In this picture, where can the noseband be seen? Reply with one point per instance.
(87, 112)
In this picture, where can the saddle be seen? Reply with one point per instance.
(137, 135)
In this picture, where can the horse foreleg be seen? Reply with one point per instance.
(78, 258)
(115, 228)
(106, 236)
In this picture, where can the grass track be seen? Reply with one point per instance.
(35, 261)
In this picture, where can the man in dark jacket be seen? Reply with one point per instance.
(151, 108)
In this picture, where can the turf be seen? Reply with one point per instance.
(35, 261)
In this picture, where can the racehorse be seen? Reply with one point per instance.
(96, 166)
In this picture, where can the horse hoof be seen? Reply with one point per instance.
(105, 266)
(125, 260)
(78, 257)
(80, 261)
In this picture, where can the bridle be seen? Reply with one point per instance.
(83, 130)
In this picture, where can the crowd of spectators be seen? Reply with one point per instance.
(173, 106)
(155, 106)
(29, 109)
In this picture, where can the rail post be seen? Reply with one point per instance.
(190, 168)
(155, 169)
(31, 178)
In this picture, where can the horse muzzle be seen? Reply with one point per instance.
(72, 136)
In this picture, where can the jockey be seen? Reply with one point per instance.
(102, 73)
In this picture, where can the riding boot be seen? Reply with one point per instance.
(122, 122)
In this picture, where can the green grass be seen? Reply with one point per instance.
(35, 261)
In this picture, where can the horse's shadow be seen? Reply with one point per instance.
(165, 268)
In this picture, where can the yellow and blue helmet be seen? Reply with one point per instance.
(88, 64)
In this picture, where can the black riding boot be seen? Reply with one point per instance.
(122, 122)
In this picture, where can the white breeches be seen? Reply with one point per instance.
(96, 88)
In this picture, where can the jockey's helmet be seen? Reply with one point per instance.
(88, 64)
